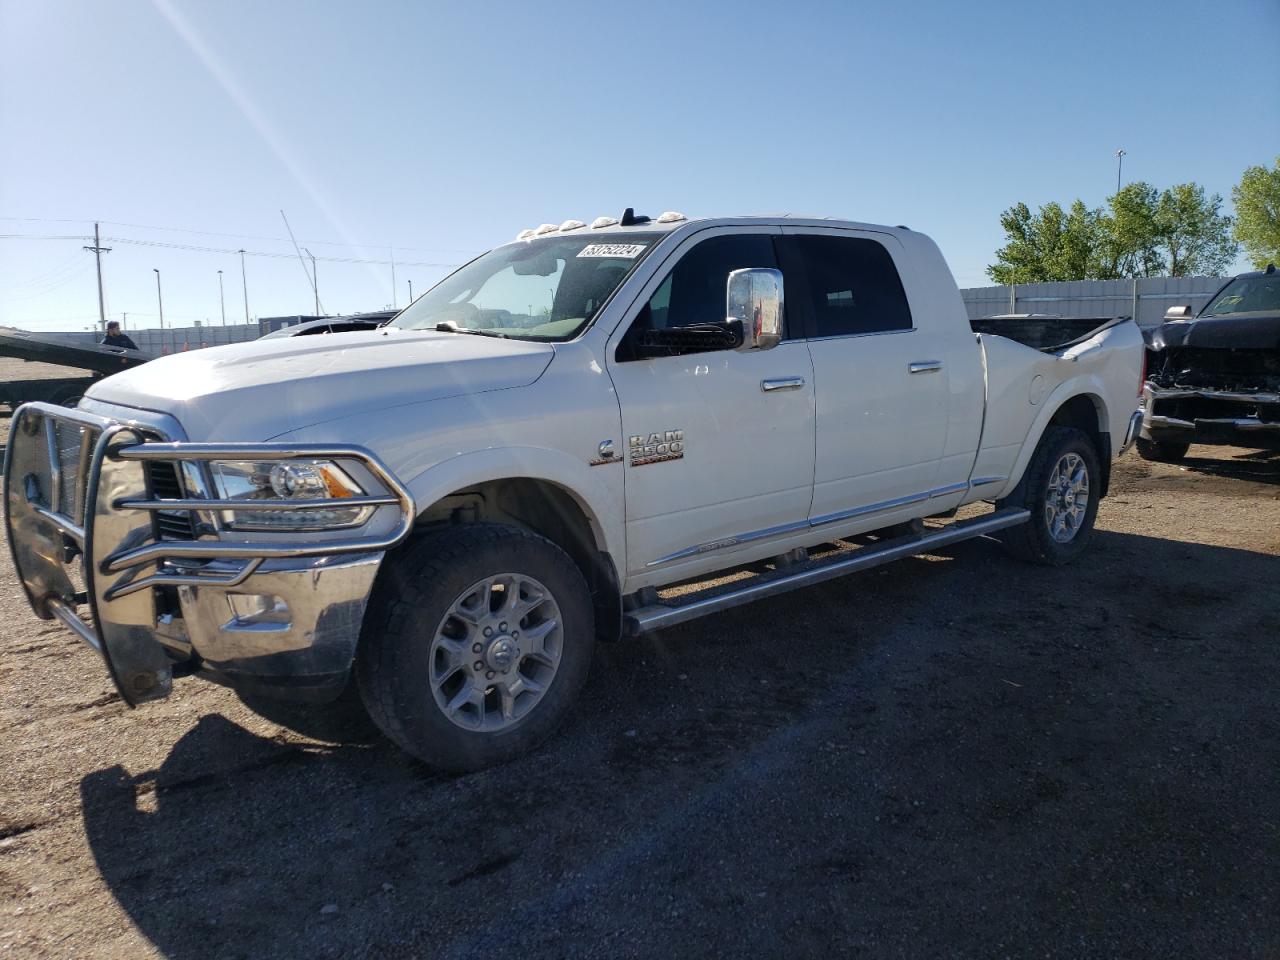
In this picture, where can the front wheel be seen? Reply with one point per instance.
(475, 645)
(1061, 489)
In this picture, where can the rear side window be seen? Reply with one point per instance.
(851, 285)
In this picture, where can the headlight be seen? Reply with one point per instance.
(287, 481)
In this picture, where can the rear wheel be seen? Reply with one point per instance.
(475, 645)
(1161, 451)
(1061, 490)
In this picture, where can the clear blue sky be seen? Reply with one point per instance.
(442, 130)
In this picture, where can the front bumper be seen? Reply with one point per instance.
(89, 529)
(1229, 418)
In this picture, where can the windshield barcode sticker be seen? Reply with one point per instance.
(623, 251)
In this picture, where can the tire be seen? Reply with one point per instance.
(68, 396)
(424, 645)
(1161, 451)
(1041, 539)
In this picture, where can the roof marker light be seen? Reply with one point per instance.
(599, 222)
(545, 228)
(670, 216)
(572, 225)
(524, 234)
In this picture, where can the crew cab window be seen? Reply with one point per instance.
(850, 284)
(694, 291)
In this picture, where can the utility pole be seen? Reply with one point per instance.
(159, 298)
(1119, 167)
(411, 291)
(244, 281)
(124, 320)
(222, 299)
(98, 250)
(315, 279)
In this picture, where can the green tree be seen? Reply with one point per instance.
(1144, 232)
(1128, 244)
(1193, 232)
(1051, 244)
(1257, 201)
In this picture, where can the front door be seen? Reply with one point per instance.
(719, 445)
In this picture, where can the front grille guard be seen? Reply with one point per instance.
(109, 524)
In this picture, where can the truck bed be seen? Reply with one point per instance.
(43, 348)
(1047, 333)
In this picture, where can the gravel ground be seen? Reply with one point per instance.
(955, 755)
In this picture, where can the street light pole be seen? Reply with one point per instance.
(244, 281)
(159, 298)
(222, 299)
(1119, 167)
(411, 291)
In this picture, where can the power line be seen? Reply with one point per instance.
(264, 253)
(82, 266)
(238, 236)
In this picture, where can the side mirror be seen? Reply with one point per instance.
(1178, 313)
(753, 298)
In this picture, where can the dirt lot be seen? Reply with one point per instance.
(951, 756)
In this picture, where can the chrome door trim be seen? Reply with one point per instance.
(713, 545)
(924, 366)
(781, 383)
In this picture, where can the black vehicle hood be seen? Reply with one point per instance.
(1243, 331)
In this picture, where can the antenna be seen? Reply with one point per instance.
(310, 279)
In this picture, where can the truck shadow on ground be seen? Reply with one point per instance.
(1069, 766)
(1260, 466)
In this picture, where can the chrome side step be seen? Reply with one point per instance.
(655, 616)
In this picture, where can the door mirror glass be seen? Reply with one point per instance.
(753, 299)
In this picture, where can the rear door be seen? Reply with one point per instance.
(881, 387)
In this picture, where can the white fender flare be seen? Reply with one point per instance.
(597, 490)
(1087, 385)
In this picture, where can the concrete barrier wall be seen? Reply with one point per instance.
(177, 339)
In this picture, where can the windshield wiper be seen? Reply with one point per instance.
(450, 326)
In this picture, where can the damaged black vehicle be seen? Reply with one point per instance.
(1215, 377)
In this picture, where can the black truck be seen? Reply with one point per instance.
(99, 360)
(1214, 377)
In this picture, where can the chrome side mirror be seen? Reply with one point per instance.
(753, 298)
(1178, 313)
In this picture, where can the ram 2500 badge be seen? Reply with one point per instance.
(449, 511)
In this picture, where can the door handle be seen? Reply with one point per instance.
(924, 366)
(782, 383)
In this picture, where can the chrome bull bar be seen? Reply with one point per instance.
(80, 505)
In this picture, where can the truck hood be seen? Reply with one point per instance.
(1240, 331)
(261, 389)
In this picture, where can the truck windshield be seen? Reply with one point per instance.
(543, 289)
(1247, 295)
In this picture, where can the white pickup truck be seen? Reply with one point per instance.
(451, 510)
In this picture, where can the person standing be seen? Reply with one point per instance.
(115, 338)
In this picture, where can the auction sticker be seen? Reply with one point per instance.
(622, 251)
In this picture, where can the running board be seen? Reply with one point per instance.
(659, 615)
